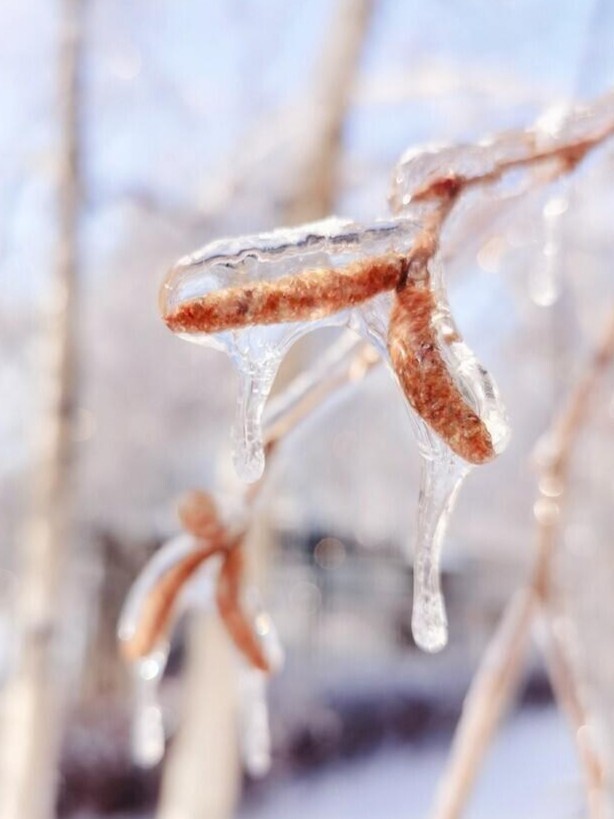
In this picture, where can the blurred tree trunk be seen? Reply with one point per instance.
(317, 180)
(33, 701)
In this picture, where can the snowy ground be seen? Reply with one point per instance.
(531, 771)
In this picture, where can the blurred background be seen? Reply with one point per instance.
(188, 122)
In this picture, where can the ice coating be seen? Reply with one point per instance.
(442, 475)
(457, 398)
(254, 729)
(265, 630)
(289, 282)
(147, 736)
(473, 382)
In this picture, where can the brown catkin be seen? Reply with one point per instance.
(426, 382)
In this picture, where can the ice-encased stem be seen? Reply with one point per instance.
(442, 474)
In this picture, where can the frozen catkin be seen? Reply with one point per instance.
(426, 382)
(314, 294)
(414, 343)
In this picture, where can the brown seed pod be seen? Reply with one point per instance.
(414, 349)
(308, 296)
(231, 611)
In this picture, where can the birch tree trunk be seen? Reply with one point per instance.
(33, 696)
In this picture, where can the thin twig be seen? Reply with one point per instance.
(489, 695)
(568, 693)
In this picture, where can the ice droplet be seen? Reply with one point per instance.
(148, 738)
(254, 730)
(442, 475)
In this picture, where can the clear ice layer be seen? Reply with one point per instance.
(470, 377)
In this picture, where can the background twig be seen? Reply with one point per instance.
(501, 666)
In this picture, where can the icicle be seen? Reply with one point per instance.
(247, 436)
(148, 739)
(460, 421)
(254, 730)
(442, 475)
